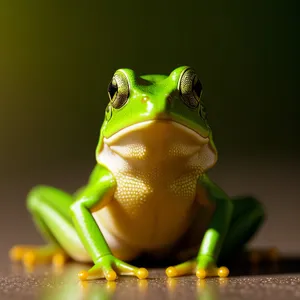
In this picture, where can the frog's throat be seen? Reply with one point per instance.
(143, 125)
(164, 143)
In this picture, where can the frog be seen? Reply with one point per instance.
(149, 191)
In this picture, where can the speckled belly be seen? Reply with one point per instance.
(156, 165)
(150, 210)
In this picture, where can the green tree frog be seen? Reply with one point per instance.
(149, 191)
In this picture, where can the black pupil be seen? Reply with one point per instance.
(198, 87)
(112, 89)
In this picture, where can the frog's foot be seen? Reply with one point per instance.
(186, 268)
(109, 267)
(191, 267)
(33, 255)
(221, 272)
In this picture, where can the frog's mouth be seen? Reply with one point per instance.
(154, 128)
(157, 140)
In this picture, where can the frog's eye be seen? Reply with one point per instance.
(190, 88)
(118, 90)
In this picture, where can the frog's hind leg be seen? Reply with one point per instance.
(248, 216)
(50, 209)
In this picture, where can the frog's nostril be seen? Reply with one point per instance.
(144, 99)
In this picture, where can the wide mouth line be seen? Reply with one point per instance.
(143, 124)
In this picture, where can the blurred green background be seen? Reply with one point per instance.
(57, 58)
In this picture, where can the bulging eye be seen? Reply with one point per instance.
(118, 90)
(190, 88)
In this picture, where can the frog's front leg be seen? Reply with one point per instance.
(93, 197)
(204, 264)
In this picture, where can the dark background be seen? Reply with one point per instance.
(57, 58)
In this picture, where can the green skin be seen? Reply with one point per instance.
(66, 220)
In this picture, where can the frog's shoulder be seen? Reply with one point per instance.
(98, 172)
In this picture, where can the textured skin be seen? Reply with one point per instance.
(159, 186)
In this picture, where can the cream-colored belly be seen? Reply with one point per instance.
(156, 165)
(150, 210)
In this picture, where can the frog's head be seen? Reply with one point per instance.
(137, 102)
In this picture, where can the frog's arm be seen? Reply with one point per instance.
(219, 224)
(97, 192)
(94, 196)
(205, 262)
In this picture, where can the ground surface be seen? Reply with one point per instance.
(267, 282)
